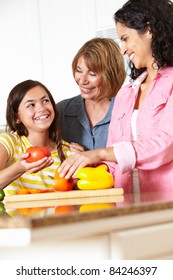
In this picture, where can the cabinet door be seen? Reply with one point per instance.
(151, 242)
(87, 248)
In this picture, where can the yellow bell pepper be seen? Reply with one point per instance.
(93, 178)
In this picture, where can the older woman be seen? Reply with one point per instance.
(98, 69)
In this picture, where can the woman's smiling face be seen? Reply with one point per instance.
(136, 46)
(90, 83)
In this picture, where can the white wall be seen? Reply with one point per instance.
(39, 39)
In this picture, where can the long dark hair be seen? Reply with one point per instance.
(14, 99)
(158, 16)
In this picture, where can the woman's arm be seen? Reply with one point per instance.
(69, 167)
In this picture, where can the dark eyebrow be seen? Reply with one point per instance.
(122, 37)
(32, 100)
(28, 101)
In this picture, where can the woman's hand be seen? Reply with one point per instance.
(79, 160)
(75, 147)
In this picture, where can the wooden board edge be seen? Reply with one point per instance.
(63, 195)
(62, 202)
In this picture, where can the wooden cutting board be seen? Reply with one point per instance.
(61, 202)
(63, 195)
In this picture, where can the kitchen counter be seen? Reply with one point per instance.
(131, 226)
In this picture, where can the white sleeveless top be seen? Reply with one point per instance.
(133, 124)
(136, 187)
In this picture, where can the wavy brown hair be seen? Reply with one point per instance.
(158, 16)
(14, 99)
(103, 57)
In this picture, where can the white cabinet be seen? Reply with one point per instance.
(153, 242)
(127, 237)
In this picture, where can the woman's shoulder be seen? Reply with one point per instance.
(166, 71)
(69, 101)
(124, 90)
(71, 106)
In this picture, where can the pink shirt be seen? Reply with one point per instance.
(152, 153)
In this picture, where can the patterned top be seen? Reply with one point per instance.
(16, 145)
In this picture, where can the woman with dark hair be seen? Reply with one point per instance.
(98, 69)
(33, 117)
(139, 149)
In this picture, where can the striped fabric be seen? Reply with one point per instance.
(16, 145)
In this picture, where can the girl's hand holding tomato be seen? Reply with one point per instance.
(37, 152)
(62, 184)
(35, 159)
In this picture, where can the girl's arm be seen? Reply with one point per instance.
(8, 174)
(17, 169)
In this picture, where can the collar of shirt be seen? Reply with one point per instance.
(140, 79)
(164, 71)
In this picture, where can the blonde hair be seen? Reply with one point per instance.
(103, 56)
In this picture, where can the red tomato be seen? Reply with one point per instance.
(62, 184)
(37, 152)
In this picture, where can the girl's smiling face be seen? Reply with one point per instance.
(35, 110)
(90, 83)
(136, 46)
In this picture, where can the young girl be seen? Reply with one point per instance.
(32, 120)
